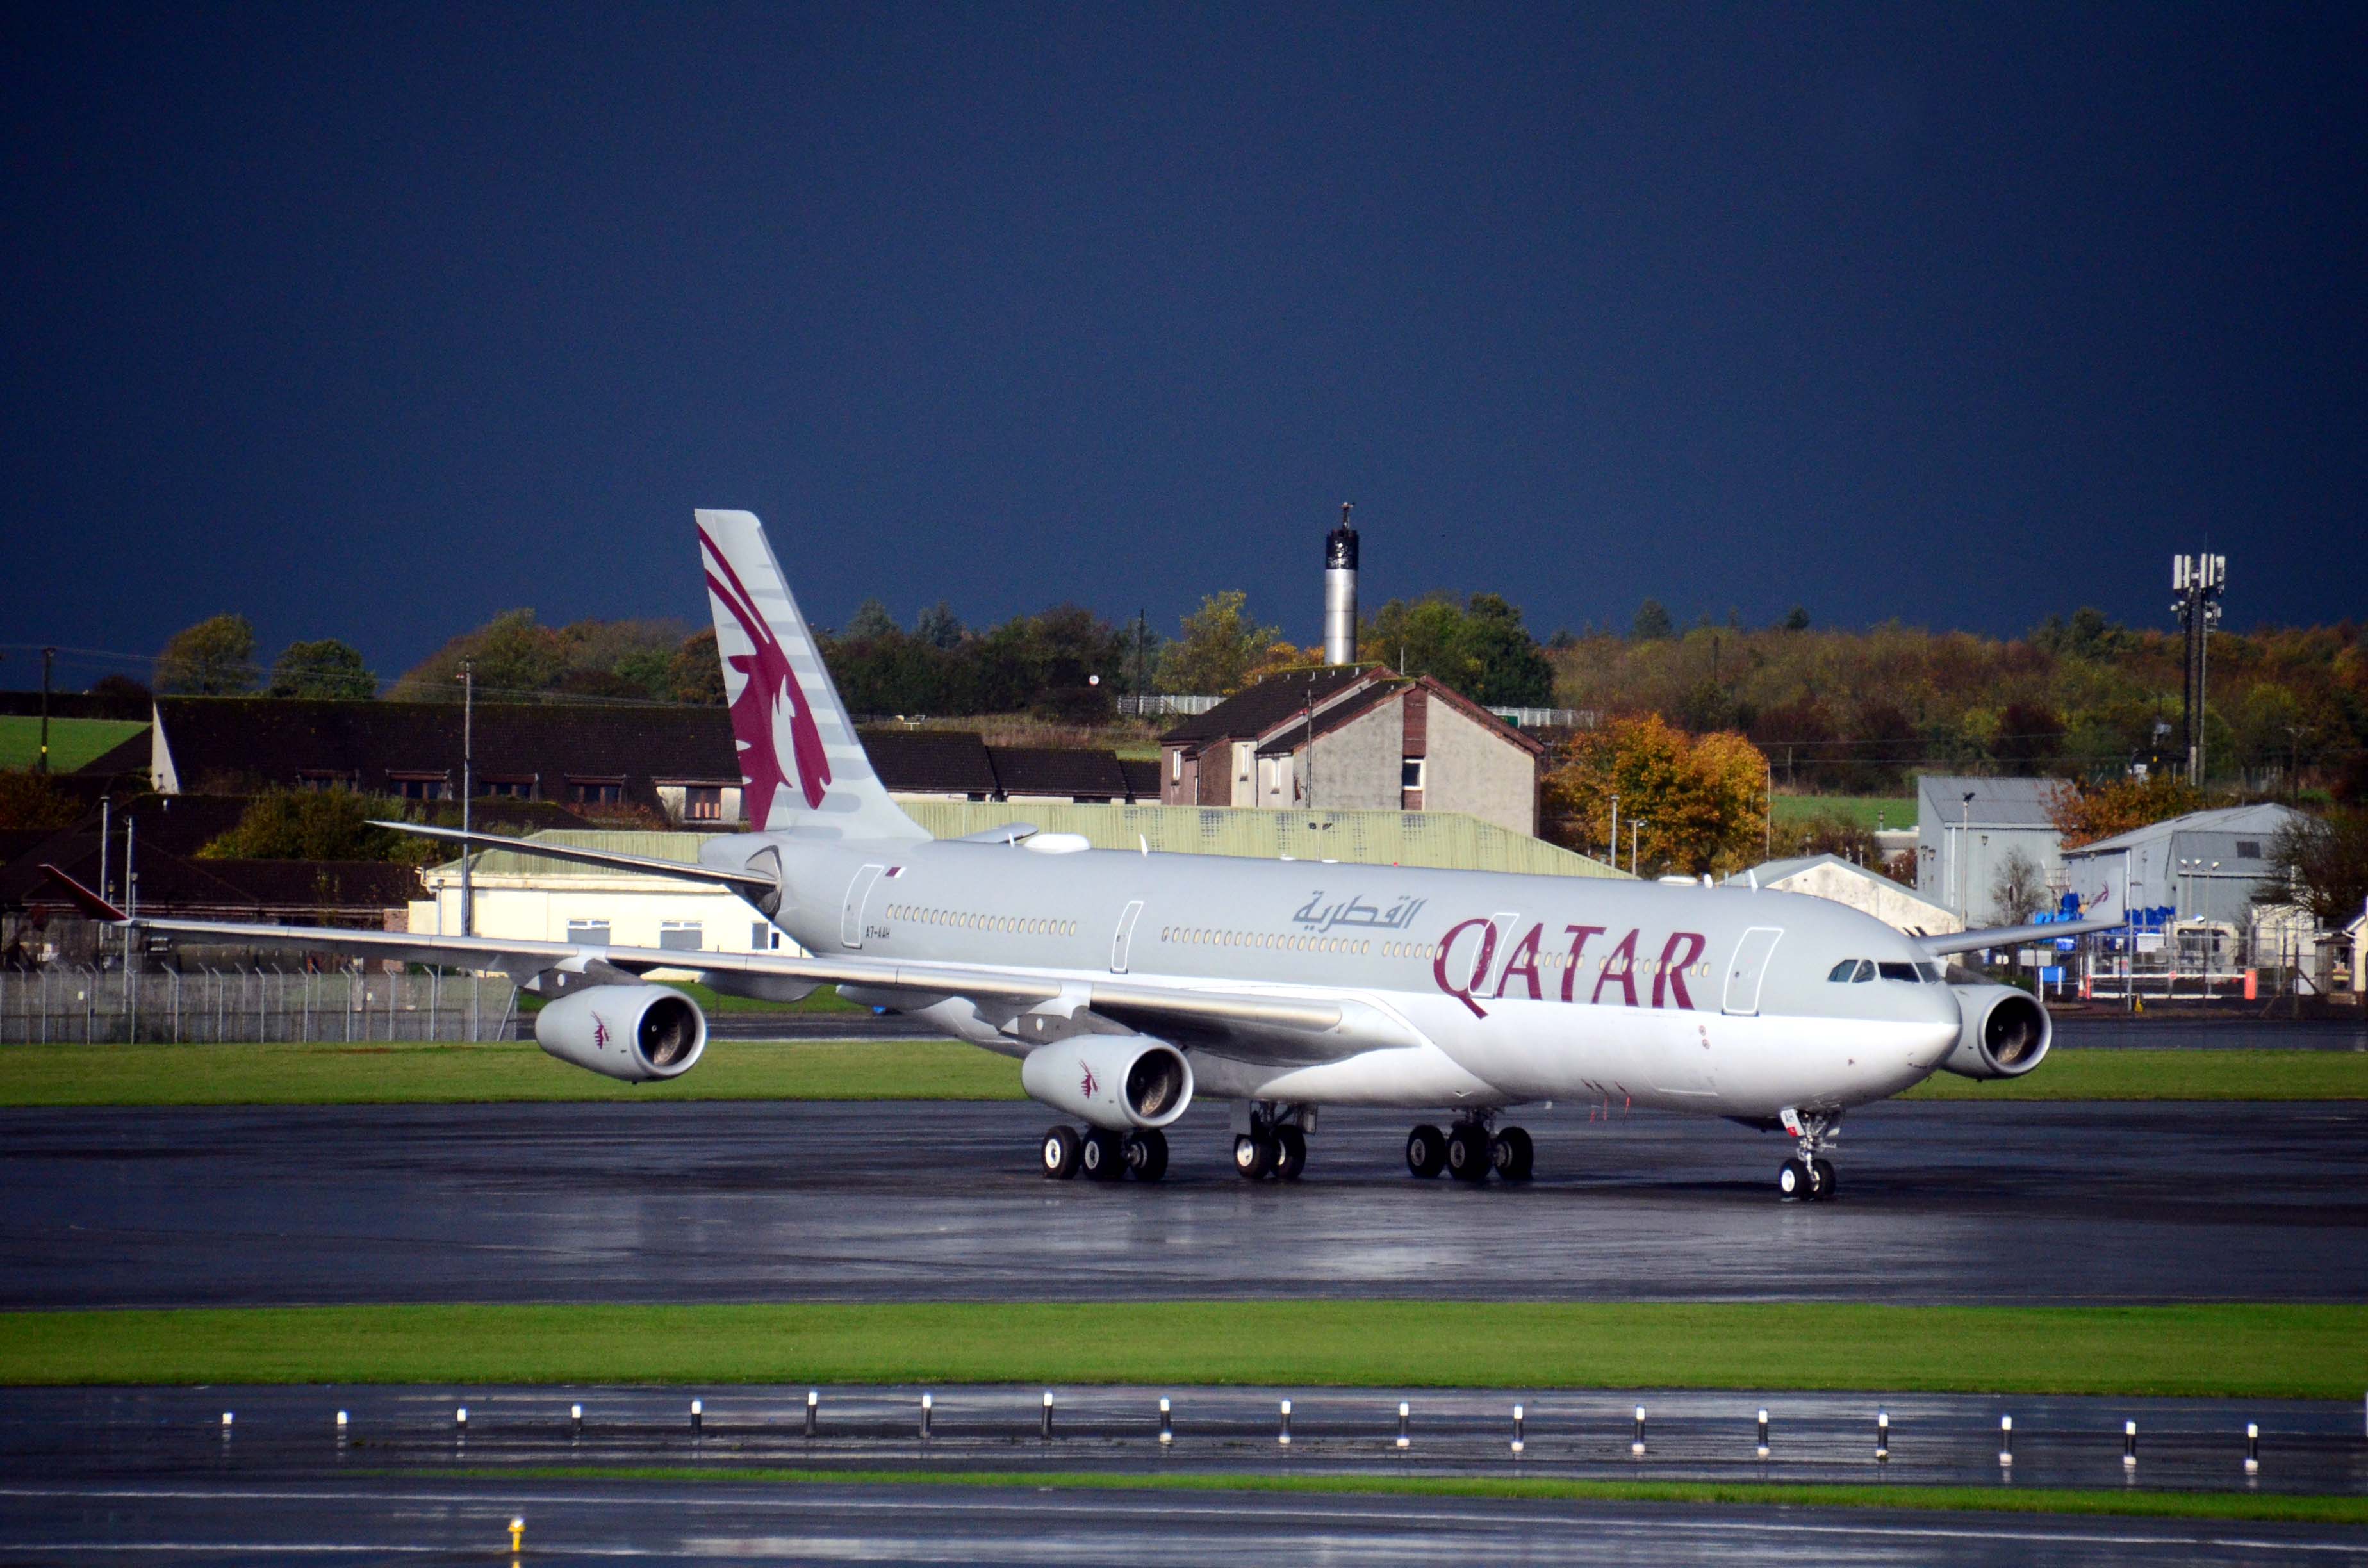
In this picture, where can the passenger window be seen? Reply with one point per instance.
(1905, 971)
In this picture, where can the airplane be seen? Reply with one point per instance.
(1126, 983)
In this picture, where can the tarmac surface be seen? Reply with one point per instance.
(1946, 1201)
(106, 1474)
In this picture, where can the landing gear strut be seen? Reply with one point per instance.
(1470, 1152)
(1104, 1155)
(1808, 1177)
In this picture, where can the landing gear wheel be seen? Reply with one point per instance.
(1823, 1170)
(1511, 1153)
(1795, 1183)
(1291, 1150)
(1145, 1154)
(1101, 1156)
(1426, 1151)
(1061, 1149)
(1253, 1157)
(1467, 1152)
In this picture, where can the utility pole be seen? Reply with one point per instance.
(1141, 648)
(467, 791)
(49, 657)
(2198, 579)
(1615, 832)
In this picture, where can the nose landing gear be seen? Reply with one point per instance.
(1808, 1177)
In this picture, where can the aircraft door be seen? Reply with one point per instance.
(850, 918)
(1749, 967)
(1121, 938)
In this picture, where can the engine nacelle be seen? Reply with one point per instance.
(1114, 1081)
(2005, 1033)
(633, 1033)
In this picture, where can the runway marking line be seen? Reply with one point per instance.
(1036, 1506)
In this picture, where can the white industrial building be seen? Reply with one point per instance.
(2203, 865)
(533, 899)
(1966, 830)
(1872, 893)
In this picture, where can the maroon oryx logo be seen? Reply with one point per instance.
(769, 696)
(1088, 1086)
(599, 1032)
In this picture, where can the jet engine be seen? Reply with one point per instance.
(2005, 1033)
(633, 1033)
(1116, 1081)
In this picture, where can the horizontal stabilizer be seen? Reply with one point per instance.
(649, 865)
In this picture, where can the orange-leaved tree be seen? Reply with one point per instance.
(2085, 812)
(1702, 801)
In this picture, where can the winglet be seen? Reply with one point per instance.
(89, 902)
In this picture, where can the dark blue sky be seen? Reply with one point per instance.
(371, 321)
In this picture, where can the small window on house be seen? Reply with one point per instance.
(509, 789)
(756, 935)
(1410, 773)
(589, 933)
(420, 786)
(1175, 767)
(2249, 850)
(703, 802)
(597, 792)
(689, 936)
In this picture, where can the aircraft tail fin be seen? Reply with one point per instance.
(802, 766)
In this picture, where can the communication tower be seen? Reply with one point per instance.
(2198, 579)
(1340, 592)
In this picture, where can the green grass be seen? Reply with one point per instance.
(1893, 812)
(2201, 1351)
(2315, 1509)
(72, 742)
(411, 1073)
(2169, 1074)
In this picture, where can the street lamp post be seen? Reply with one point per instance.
(468, 791)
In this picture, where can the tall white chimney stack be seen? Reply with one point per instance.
(1340, 592)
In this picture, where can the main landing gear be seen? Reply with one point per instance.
(1808, 1177)
(1275, 1145)
(1471, 1150)
(1104, 1155)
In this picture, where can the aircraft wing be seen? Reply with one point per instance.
(748, 883)
(2013, 935)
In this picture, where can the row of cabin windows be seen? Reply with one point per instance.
(1016, 924)
(1854, 971)
(1199, 938)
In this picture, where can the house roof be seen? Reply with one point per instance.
(1777, 870)
(2265, 818)
(1053, 771)
(930, 762)
(1289, 737)
(1996, 802)
(233, 744)
(1252, 712)
(1142, 777)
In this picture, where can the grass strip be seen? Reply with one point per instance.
(2205, 1351)
(509, 1072)
(496, 1072)
(2145, 1074)
(2315, 1508)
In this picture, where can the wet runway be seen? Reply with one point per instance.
(1939, 1202)
(98, 1474)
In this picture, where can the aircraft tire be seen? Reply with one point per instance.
(1426, 1151)
(1512, 1153)
(1147, 1154)
(1794, 1183)
(1254, 1154)
(1822, 1169)
(1102, 1155)
(1291, 1153)
(1467, 1152)
(1061, 1149)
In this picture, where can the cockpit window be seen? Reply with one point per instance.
(1905, 971)
(1865, 970)
(1931, 971)
(1843, 970)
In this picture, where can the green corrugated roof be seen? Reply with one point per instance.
(1447, 839)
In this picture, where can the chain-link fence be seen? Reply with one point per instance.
(64, 1003)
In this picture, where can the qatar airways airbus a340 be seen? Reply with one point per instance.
(1126, 983)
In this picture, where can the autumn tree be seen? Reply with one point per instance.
(1220, 647)
(213, 658)
(1700, 803)
(29, 800)
(324, 668)
(315, 824)
(2020, 889)
(1477, 646)
(2321, 863)
(2085, 812)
